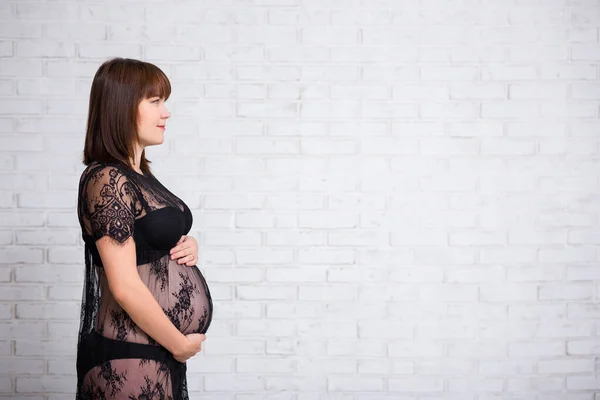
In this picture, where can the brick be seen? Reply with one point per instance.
(537, 349)
(450, 73)
(352, 384)
(312, 36)
(266, 35)
(570, 291)
(268, 365)
(74, 30)
(47, 12)
(46, 48)
(416, 384)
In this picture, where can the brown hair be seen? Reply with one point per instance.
(120, 84)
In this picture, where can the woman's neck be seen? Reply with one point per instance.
(137, 160)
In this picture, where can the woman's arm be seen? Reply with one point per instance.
(132, 294)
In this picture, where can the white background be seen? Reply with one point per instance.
(394, 199)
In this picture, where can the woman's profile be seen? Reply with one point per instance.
(146, 306)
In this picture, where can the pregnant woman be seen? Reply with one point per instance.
(146, 306)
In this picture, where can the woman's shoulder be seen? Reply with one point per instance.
(107, 167)
(99, 172)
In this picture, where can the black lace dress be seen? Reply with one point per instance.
(115, 358)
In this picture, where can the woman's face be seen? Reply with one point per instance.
(152, 119)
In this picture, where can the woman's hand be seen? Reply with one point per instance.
(191, 347)
(185, 251)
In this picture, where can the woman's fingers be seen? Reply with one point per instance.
(184, 252)
(192, 262)
(180, 252)
(186, 259)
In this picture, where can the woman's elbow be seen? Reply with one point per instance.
(123, 291)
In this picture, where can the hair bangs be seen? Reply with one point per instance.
(157, 84)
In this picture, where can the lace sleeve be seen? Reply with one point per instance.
(110, 204)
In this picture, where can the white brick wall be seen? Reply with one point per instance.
(394, 199)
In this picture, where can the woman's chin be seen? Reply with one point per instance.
(154, 142)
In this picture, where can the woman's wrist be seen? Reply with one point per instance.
(178, 345)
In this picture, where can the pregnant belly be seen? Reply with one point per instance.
(187, 301)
